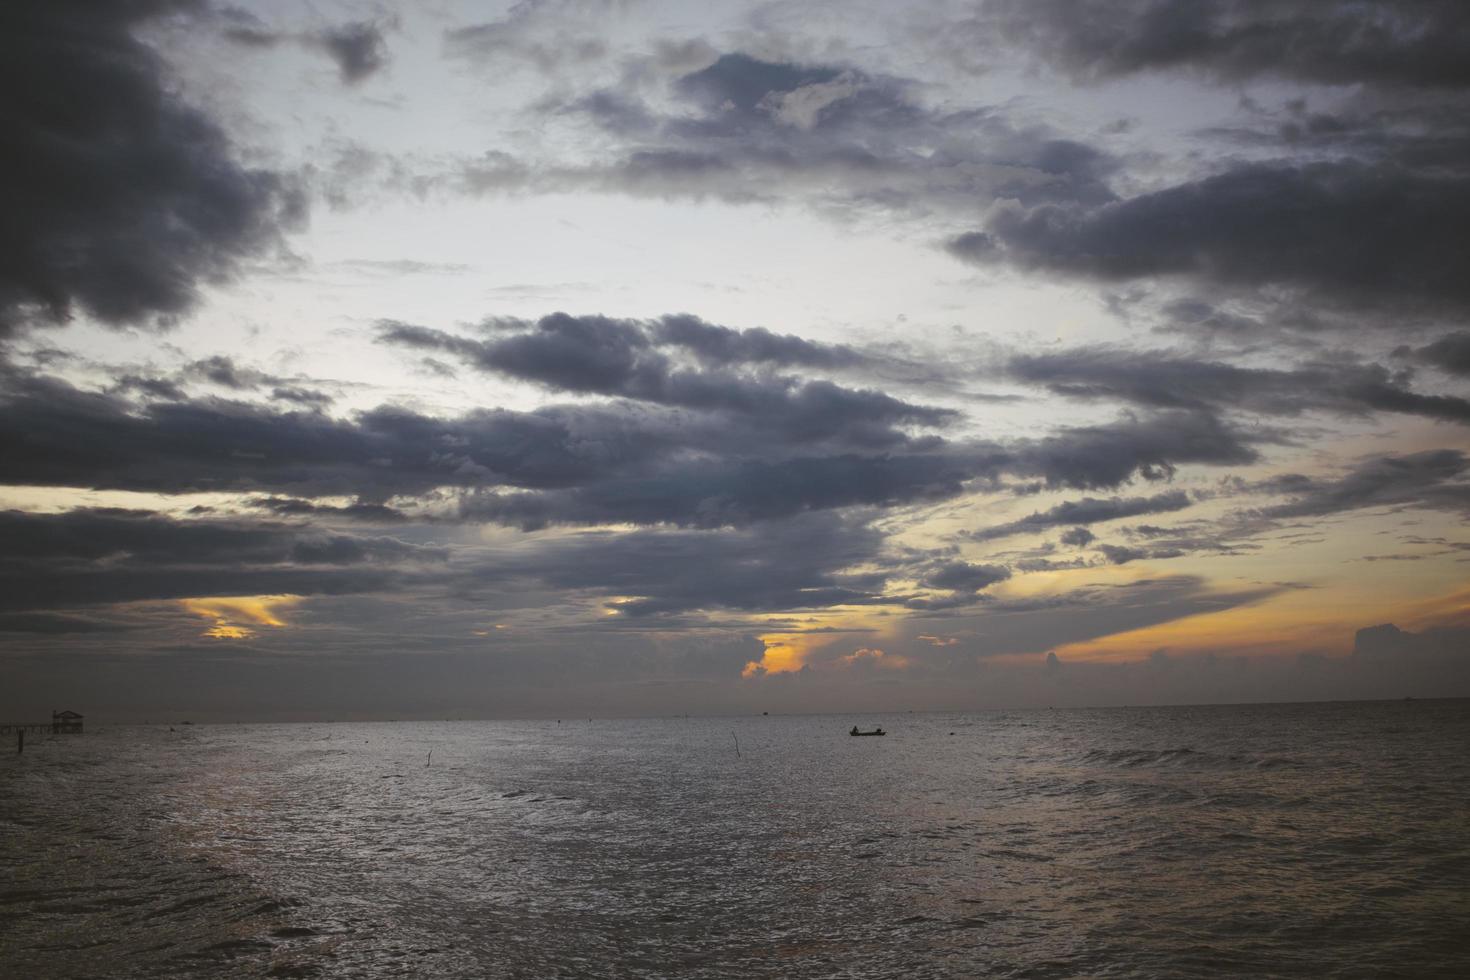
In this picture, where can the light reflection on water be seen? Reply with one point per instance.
(1322, 840)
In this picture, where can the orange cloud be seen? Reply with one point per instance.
(784, 653)
(233, 616)
(875, 657)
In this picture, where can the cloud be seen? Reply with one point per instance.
(1450, 353)
(1034, 623)
(1088, 510)
(101, 556)
(611, 463)
(125, 200)
(743, 129)
(733, 492)
(546, 36)
(53, 434)
(1431, 479)
(1152, 446)
(1388, 645)
(1078, 537)
(1166, 379)
(358, 510)
(1344, 232)
(681, 361)
(1384, 43)
(964, 581)
(800, 563)
(359, 49)
(51, 624)
(1122, 555)
(962, 576)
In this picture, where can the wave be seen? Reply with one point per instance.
(1183, 757)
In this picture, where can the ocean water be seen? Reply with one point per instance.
(1325, 840)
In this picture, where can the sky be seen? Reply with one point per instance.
(443, 359)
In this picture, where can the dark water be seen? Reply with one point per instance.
(1287, 840)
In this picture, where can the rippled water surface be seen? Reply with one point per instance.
(1286, 840)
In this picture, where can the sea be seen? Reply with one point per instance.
(1291, 840)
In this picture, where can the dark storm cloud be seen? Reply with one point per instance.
(145, 538)
(104, 556)
(1343, 232)
(1432, 479)
(54, 434)
(792, 564)
(1088, 510)
(717, 345)
(703, 492)
(640, 360)
(1421, 43)
(1163, 379)
(736, 492)
(621, 461)
(744, 129)
(1450, 353)
(58, 623)
(123, 200)
(602, 351)
(1152, 446)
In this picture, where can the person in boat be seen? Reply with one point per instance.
(854, 730)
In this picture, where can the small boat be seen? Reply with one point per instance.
(876, 731)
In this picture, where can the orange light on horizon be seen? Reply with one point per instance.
(1286, 626)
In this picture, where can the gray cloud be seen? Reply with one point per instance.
(1450, 353)
(1078, 537)
(964, 581)
(356, 511)
(1164, 379)
(123, 198)
(1088, 510)
(640, 360)
(1152, 446)
(1344, 232)
(58, 623)
(1432, 479)
(751, 130)
(735, 492)
(1425, 43)
(791, 564)
(104, 556)
(1122, 554)
(811, 448)
(358, 49)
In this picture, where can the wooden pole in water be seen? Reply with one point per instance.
(20, 741)
(737, 744)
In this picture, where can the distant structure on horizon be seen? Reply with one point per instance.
(66, 723)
